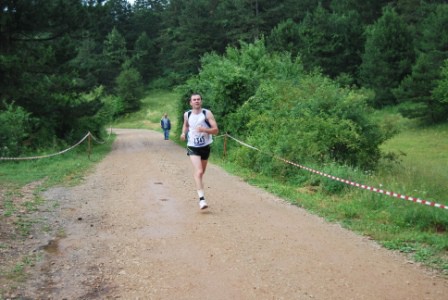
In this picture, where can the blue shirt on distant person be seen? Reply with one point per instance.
(165, 124)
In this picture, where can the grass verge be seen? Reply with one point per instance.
(21, 184)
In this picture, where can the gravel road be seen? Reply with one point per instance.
(133, 230)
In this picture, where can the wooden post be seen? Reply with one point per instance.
(225, 144)
(89, 149)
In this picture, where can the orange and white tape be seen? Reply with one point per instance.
(362, 186)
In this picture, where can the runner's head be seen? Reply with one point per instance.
(196, 101)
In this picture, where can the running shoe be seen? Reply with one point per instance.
(203, 204)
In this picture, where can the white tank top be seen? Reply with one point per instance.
(195, 138)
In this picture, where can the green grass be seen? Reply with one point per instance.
(69, 167)
(424, 156)
(154, 105)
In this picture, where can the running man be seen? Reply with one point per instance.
(198, 127)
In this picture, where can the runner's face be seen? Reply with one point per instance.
(196, 101)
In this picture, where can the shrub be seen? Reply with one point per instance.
(312, 121)
(14, 129)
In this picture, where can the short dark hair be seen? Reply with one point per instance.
(196, 94)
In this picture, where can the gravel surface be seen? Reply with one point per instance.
(133, 230)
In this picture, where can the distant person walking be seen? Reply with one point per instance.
(198, 127)
(165, 123)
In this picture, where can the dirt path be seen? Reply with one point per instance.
(133, 230)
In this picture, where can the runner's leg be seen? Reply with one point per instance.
(198, 172)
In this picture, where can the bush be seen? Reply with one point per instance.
(14, 129)
(312, 121)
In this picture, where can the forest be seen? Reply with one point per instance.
(265, 67)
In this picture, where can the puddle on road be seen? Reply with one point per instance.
(52, 247)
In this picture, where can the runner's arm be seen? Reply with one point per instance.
(213, 125)
(184, 128)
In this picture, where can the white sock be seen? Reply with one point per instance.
(201, 193)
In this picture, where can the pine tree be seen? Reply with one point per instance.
(414, 92)
(114, 55)
(388, 56)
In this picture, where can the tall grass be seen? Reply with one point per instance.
(423, 153)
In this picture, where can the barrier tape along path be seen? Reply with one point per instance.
(362, 186)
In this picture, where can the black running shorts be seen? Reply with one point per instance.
(203, 152)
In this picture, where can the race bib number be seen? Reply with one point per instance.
(199, 140)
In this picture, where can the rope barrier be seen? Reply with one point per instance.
(88, 135)
(102, 142)
(351, 183)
